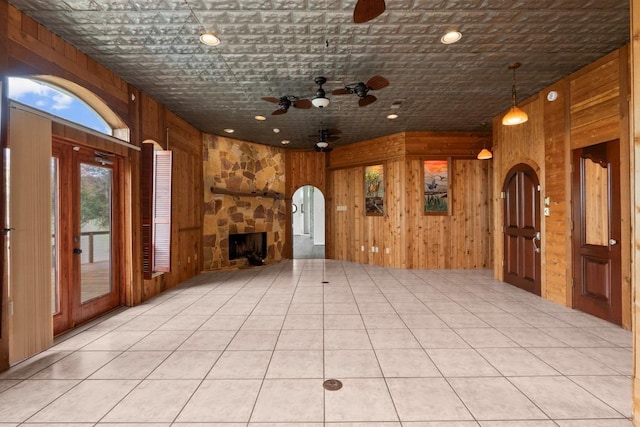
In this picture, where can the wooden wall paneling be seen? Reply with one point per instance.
(152, 124)
(625, 183)
(368, 152)
(446, 144)
(635, 199)
(34, 50)
(558, 183)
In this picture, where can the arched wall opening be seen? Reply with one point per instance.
(308, 223)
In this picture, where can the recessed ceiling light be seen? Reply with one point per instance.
(451, 37)
(285, 141)
(229, 130)
(392, 116)
(209, 39)
(260, 118)
(276, 130)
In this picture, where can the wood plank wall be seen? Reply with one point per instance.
(405, 237)
(634, 150)
(592, 107)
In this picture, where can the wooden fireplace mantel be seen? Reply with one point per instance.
(268, 194)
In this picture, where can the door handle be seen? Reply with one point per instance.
(613, 242)
(535, 237)
(77, 251)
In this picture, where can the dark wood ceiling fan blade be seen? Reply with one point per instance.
(366, 10)
(332, 138)
(369, 99)
(377, 82)
(343, 91)
(279, 111)
(303, 103)
(271, 99)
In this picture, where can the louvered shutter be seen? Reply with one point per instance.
(146, 206)
(162, 211)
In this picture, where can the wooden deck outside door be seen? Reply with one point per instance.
(596, 236)
(522, 229)
(84, 195)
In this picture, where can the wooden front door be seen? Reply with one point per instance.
(84, 196)
(522, 229)
(597, 282)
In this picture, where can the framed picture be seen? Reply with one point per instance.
(436, 187)
(374, 190)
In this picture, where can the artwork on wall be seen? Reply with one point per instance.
(374, 190)
(436, 187)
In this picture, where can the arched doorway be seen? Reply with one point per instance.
(308, 223)
(522, 261)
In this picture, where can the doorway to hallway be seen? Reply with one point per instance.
(308, 223)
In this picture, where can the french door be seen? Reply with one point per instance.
(85, 197)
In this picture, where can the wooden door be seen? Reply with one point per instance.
(522, 229)
(85, 195)
(597, 282)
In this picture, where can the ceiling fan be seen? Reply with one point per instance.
(326, 136)
(366, 10)
(285, 102)
(362, 90)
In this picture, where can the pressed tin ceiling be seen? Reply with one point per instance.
(272, 48)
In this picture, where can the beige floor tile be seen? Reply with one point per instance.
(341, 308)
(343, 321)
(531, 337)
(360, 400)
(516, 362)
(296, 364)
(485, 338)
(303, 321)
(116, 340)
(439, 338)
(461, 363)
(234, 400)
(424, 399)
(78, 365)
(89, 401)
(262, 323)
(300, 340)
(560, 398)
(407, 363)
(383, 321)
(570, 361)
(25, 399)
(183, 323)
(161, 340)
(346, 340)
(341, 364)
(614, 391)
(495, 399)
(423, 321)
(186, 365)
(205, 340)
(153, 401)
(131, 365)
(246, 364)
(392, 338)
(294, 400)
(254, 340)
(221, 322)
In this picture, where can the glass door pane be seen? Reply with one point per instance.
(95, 232)
(55, 201)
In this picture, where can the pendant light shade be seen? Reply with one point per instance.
(515, 115)
(485, 154)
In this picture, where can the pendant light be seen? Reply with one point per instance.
(485, 154)
(515, 115)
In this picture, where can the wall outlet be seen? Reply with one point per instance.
(373, 248)
(547, 212)
(341, 208)
(362, 248)
(387, 250)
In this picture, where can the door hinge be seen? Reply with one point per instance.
(539, 188)
(502, 195)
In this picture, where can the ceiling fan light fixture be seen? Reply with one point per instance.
(320, 102)
(322, 144)
(209, 39)
(451, 37)
(285, 142)
(229, 130)
(260, 118)
(392, 116)
(515, 115)
(485, 154)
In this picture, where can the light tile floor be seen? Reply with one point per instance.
(252, 347)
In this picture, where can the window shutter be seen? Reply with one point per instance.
(146, 206)
(162, 212)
